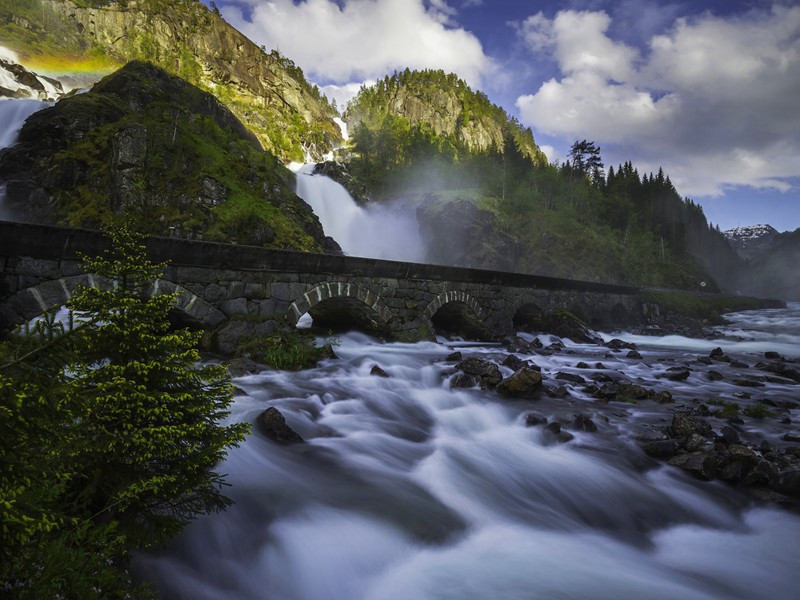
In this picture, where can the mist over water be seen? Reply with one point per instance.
(387, 231)
(407, 488)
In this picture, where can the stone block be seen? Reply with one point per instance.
(254, 291)
(237, 306)
(235, 289)
(214, 293)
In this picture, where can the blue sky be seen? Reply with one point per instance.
(707, 89)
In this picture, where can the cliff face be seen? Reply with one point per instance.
(149, 147)
(266, 91)
(446, 107)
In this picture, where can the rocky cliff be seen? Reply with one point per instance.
(268, 93)
(147, 146)
(443, 105)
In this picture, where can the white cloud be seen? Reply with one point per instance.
(714, 100)
(354, 40)
(344, 93)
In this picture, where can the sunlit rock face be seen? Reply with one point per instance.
(149, 145)
(265, 90)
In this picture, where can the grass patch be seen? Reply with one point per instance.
(709, 307)
(728, 410)
(287, 352)
(758, 411)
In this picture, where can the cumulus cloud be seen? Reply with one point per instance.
(342, 94)
(353, 40)
(713, 100)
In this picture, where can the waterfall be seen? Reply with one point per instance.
(376, 231)
(13, 114)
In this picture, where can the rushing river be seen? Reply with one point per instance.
(407, 489)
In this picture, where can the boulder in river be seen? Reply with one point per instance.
(273, 424)
(488, 372)
(523, 383)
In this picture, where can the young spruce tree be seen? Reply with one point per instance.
(150, 433)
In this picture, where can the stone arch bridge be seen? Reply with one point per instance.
(248, 289)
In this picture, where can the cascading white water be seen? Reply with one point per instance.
(377, 231)
(409, 489)
(13, 114)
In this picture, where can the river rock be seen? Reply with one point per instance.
(523, 383)
(700, 464)
(633, 354)
(532, 420)
(661, 448)
(714, 375)
(584, 423)
(728, 435)
(677, 373)
(453, 357)
(742, 382)
(789, 482)
(791, 437)
(488, 372)
(685, 424)
(273, 424)
(378, 372)
(618, 344)
(771, 355)
(514, 362)
(571, 377)
(463, 380)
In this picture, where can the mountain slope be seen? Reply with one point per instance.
(752, 241)
(443, 106)
(147, 146)
(776, 272)
(266, 91)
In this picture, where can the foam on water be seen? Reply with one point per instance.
(409, 489)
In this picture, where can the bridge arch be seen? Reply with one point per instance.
(528, 312)
(457, 312)
(340, 305)
(32, 302)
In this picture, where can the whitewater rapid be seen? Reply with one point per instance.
(407, 489)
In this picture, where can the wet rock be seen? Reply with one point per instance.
(791, 437)
(523, 383)
(714, 375)
(537, 343)
(237, 391)
(677, 373)
(582, 365)
(728, 435)
(600, 366)
(514, 362)
(742, 395)
(243, 366)
(685, 424)
(553, 430)
(584, 423)
(703, 360)
(664, 397)
(633, 354)
(747, 383)
(633, 391)
(770, 355)
(764, 473)
(453, 357)
(601, 378)
(661, 448)
(693, 442)
(378, 372)
(486, 371)
(571, 377)
(554, 427)
(273, 424)
(716, 352)
(532, 420)
(700, 464)
(463, 380)
(559, 391)
(739, 365)
(618, 344)
(789, 482)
